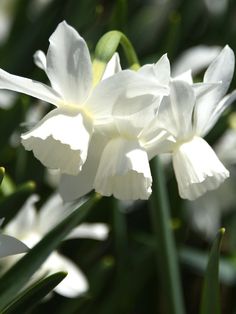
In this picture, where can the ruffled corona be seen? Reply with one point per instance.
(124, 171)
(197, 168)
(60, 140)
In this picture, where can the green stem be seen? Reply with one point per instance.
(120, 236)
(165, 244)
(106, 47)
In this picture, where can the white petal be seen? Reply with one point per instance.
(128, 123)
(205, 106)
(113, 66)
(195, 58)
(220, 70)
(205, 214)
(159, 72)
(60, 140)
(69, 66)
(125, 84)
(51, 213)
(226, 147)
(74, 187)
(175, 111)
(11, 246)
(216, 113)
(197, 168)
(185, 76)
(156, 141)
(40, 60)
(75, 283)
(25, 220)
(96, 231)
(29, 87)
(124, 171)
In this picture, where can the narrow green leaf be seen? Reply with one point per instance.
(32, 296)
(210, 300)
(196, 260)
(166, 254)
(2, 173)
(13, 281)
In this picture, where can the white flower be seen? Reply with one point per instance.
(186, 116)
(61, 139)
(117, 162)
(30, 226)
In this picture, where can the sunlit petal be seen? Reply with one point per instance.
(28, 87)
(74, 187)
(60, 140)
(124, 171)
(69, 66)
(197, 168)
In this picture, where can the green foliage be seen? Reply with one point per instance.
(210, 301)
(30, 297)
(122, 270)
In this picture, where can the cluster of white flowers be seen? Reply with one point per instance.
(102, 136)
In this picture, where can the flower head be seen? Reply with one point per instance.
(184, 117)
(61, 139)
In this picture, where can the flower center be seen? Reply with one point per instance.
(75, 109)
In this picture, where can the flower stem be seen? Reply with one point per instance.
(167, 261)
(106, 47)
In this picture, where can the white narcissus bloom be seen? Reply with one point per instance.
(206, 212)
(117, 162)
(61, 139)
(30, 226)
(186, 116)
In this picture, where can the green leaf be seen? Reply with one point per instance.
(2, 173)
(210, 300)
(13, 281)
(166, 252)
(196, 260)
(31, 296)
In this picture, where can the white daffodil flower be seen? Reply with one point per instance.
(30, 226)
(186, 116)
(120, 166)
(10, 245)
(127, 176)
(61, 139)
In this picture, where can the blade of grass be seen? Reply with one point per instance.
(2, 172)
(210, 300)
(36, 292)
(167, 261)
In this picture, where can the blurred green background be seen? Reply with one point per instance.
(121, 270)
